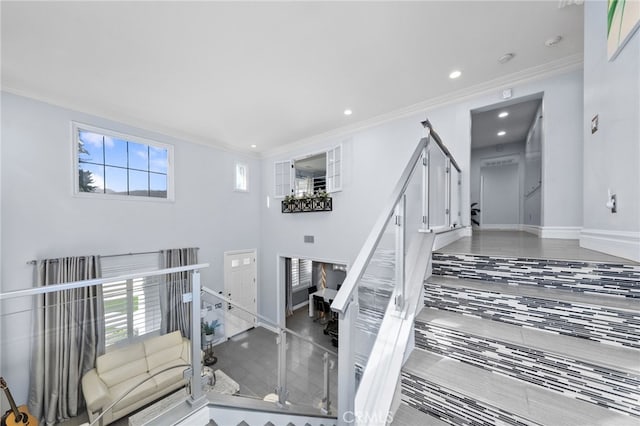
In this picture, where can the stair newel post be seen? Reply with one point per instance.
(281, 390)
(196, 354)
(401, 229)
(346, 362)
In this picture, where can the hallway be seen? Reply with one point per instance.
(525, 244)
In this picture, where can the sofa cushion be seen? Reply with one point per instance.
(169, 377)
(141, 389)
(122, 364)
(163, 349)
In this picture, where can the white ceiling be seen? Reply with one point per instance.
(485, 124)
(268, 73)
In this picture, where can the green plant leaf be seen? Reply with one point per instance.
(612, 5)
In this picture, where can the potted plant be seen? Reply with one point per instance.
(209, 330)
(474, 214)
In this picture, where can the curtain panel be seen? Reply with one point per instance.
(176, 315)
(68, 337)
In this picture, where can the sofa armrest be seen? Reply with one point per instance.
(186, 351)
(95, 391)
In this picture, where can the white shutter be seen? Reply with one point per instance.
(132, 307)
(334, 169)
(282, 179)
(304, 270)
(295, 273)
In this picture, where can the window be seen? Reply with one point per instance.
(310, 174)
(300, 273)
(242, 177)
(114, 164)
(282, 178)
(131, 307)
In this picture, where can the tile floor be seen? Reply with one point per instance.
(524, 244)
(251, 360)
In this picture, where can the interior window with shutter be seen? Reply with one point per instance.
(300, 273)
(282, 179)
(132, 307)
(334, 169)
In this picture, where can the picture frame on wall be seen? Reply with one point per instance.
(623, 20)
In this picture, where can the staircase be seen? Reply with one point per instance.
(519, 341)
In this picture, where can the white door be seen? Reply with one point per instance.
(500, 196)
(240, 286)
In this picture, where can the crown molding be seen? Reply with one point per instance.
(561, 66)
(132, 122)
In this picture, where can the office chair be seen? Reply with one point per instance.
(318, 304)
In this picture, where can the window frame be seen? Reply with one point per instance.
(333, 172)
(114, 266)
(77, 126)
(239, 164)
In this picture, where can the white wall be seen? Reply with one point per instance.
(479, 155)
(373, 160)
(612, 154)
(533, 173)
(41, 218)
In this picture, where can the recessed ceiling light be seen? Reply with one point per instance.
(455, 74)
(502, 133)
(348, 112)
(506, 58)
(254, 146)
(503, 114)
(553, 41)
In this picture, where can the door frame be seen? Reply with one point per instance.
(517, 163)
(226, 270)
(280, 288)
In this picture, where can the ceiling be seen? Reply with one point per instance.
(235, 74)
(485, 123)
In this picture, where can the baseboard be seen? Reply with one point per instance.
(562, 232)
(300, 305)
(623, 244)
(447, 238)
(269, 327)
(500, 227)
(532, 229)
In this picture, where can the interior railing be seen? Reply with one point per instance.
(303, 373)
(130, 313)
(120, 310)
(382, 290)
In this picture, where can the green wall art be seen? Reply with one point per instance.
(623, 19)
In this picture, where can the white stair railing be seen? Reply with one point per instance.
(380, 294)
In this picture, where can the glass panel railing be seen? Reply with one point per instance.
(456, 198)
(312, 373)
(424, 199)
(103, 346)
(237, 350)
(437, 194)
(264, 361)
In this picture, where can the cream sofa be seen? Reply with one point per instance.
(120, 370)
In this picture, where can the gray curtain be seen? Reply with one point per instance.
(68, 337)
(288, 285)
(175, 314)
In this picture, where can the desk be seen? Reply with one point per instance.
(326, 293)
